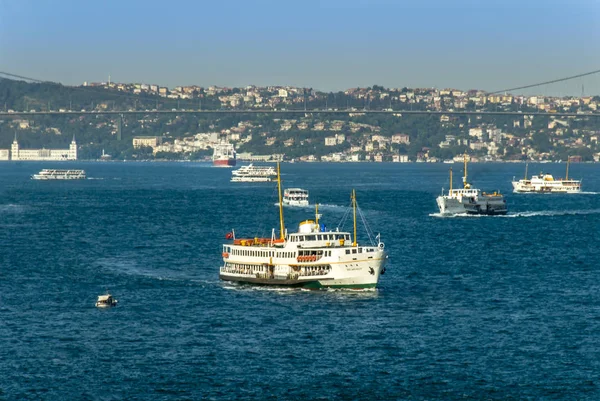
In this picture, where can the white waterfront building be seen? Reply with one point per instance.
(16, 153)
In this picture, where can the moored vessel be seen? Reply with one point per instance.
(251, 173)
(59, 174)
(224, 155)
(468, 200)
(546, 183)
(313, 257)
(295, 197)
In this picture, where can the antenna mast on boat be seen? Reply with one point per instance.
(526, 165)
(282, 227)
(568, 160)
(465, 177)
(317, 214)
(450, 180)
(354, 210)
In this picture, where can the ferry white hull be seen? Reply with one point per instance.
(58, 174)
(59, 177)
(483, 206)
(295, 202)
(357, 272)
(251, 179)
(520, 187)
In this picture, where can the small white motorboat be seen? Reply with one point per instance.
(106, 301)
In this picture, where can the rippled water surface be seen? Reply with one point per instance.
(497, 308)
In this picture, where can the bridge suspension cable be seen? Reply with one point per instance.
(546, 83)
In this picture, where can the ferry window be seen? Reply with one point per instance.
(354, 251)
(347, 251)
(310, 237)
(320, 237)
(359, 250)
(348, 237)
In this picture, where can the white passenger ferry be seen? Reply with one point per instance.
(470, 200)
(251, 173)
(295, 197)
(56, 174)
(546, 183)
(313, 257)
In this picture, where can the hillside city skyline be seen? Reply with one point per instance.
(353, 136)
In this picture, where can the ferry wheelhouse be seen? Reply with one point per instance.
(546, 183)
(57, 174)
(468, 200)
(295, 197)
(313, 257)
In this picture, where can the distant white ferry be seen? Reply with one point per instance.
(57, 174)
(251, 173)
(295, 197)
(470, 200)
(546, 183)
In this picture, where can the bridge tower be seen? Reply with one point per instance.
(119, 125)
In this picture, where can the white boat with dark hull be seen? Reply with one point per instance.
(546, 183)
(469, 200)
(59, 174)
(313, 257)
(251, 173)
(295, 197)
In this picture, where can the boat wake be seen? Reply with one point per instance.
(447, 215)
(522, 214)
(245, 287)
(130, 268)
(589, 193)
(553, 213)
(12, 208)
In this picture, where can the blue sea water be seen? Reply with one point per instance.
(481, 308)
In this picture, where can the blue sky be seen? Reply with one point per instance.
(326, 45)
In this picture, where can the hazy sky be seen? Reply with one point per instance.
(327, 45)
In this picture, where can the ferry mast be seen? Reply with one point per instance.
(354, 211)
(281, 225)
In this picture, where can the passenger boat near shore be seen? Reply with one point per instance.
(469, 200)
(295, 197)
(313, 257)
(58, 174)
(252, 173)
(546, 183)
